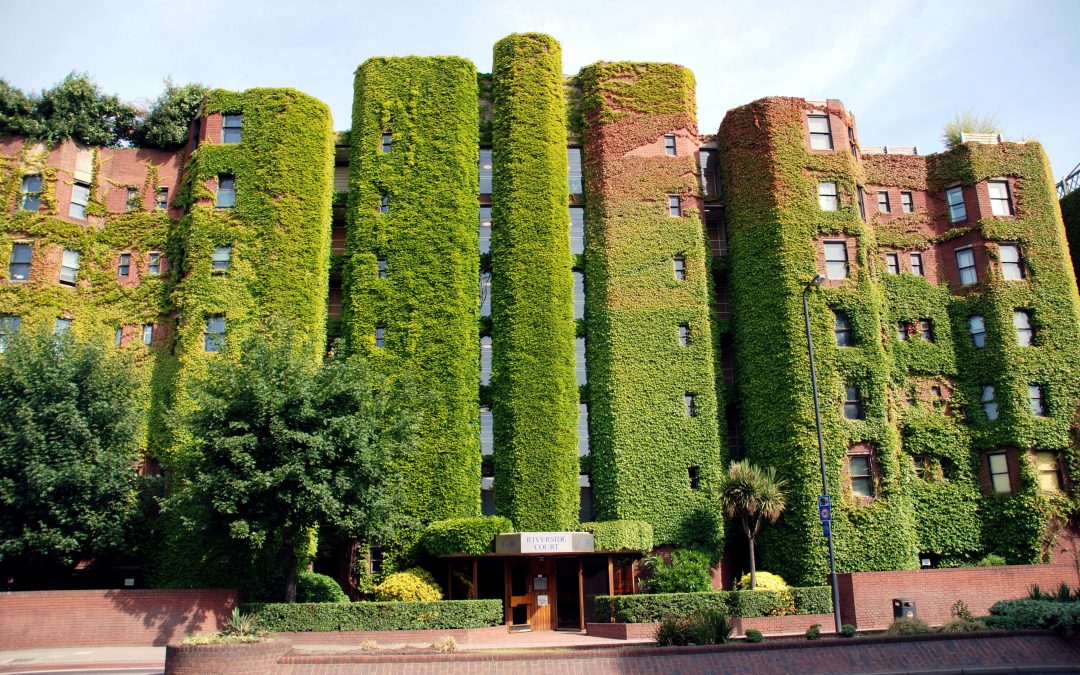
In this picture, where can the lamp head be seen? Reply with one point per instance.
(817, 280)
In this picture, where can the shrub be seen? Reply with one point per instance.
(372, 616)
(754, 636)
(315, 587)
(369, 646)
(761, 603)
(240, 624)
(1045, 613)
(470, 536)
(655, 607)
(813, 632)
(909, 626)
(812, 599)
(620, 535)
(445, 645)
(960, 610)
(847, 630)
(709, 627)
(672, 632)
(688, 571)
(990, 560)
(766, 581)
(960, 625)
(412, 585)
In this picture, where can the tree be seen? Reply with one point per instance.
(76, 108)
(287, 446)
(754, 496)
(968, 122)
(166, 123)
(69, 441)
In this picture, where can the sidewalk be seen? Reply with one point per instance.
(93, 658)
(516, 641)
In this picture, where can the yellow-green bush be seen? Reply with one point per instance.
(412, 585)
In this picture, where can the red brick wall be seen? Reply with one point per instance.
(36, 619)
(254, 658)
(866, 597)
(793, 624)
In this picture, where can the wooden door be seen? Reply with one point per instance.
(542, 591)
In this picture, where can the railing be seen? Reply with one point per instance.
(1069, 183)
(889, 150)
(992, 139)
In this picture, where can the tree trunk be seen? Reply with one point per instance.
(753, 563)
(289, 555)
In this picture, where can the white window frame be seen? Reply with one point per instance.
(1012, 266)
(828, 196)
(1000, 480)
(1001, 204)
(954, 197)
(969, 274)
(831, 264)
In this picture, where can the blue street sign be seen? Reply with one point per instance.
(824, 506)
(826, 526)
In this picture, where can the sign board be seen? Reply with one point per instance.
(543, 543)
(827, 528)
(824, 508)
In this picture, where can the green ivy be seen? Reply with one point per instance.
(1070, 214)
(534, 389)
(643, 443)
(427, 303)
(464, 536)
(620, 535)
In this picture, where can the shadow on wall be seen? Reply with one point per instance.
(170, 615)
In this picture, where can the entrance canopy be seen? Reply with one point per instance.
(544, 543)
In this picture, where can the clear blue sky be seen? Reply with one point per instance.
(903, 68)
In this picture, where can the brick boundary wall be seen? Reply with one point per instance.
(463, 636)
(257, 658)
(102, 618)
(866, 597)
(791, 624)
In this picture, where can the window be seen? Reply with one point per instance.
(903, 330)
(583, 429)
(669, 145)
(123, 269)
(31, 193)
(883, 202)
(69, 267)
(485, 294)
(679, 263)
(80, 197)
(820, 135)
(577, 230)
(132, 202)
(836, 260)
(862, 203)
(384, 204)
(226, 192)
(1000, 198)
(580, 368)
(154, 266)
(575, 177)
(693, 473)
(853, 407)
(1022, 323)
(118, 336)
(861, 474)
(955, 198)
(485, 360)
(587, 509)
(9, 325)
(709, 162)
(916, 265)
(999, 472)
(926, 330)
(380, 335)
(221, 260)
(892, 263)
(674, 206)
(990, 406)
(61, 326)
(907, 204)
(196, 132)
(487, 434)
(148, 334)
(1036, 400)
(1011, 266)
(485, 229)
(487, 495)
(842, 330)
(691, 406)
(1046, 466)
(923, 466)
(19, 267)
(230, 128)
(579, 295)
(852, 143)
(382, 268)
(684, 335)
(977, 328)
(387, 141)
(214, 338)
(827, 198)
(965, 264)
(486, 169)
(936, 391)
(161, 200)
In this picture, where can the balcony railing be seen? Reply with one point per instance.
(1069, 182)
(992, 139)
(889, 150)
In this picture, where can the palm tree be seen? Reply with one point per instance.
(754, 496)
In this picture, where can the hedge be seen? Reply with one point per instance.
(1034, 614)
(464, 536)
(646, 608)
(365, 616)
(620, 535)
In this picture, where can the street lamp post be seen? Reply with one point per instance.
(826, 524)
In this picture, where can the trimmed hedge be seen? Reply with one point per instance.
(645, 608)
(620, 535)
(357, 616)
(315, 587)
(1027, 613)
(465, 536)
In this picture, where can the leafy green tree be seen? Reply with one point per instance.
(754, 496)
(287, 446)
(166, 123)
(968, 122)
(69, 441)
(688, 570)
(17, 113)
(76, 108)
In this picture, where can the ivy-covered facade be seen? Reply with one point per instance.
(639, 321)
